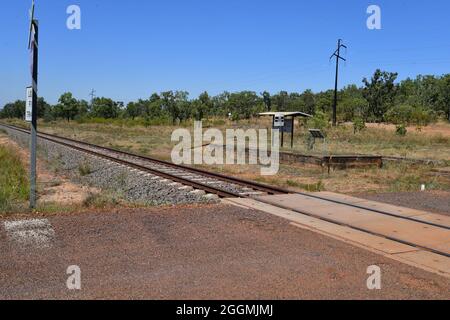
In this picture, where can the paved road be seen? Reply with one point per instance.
(206, 252)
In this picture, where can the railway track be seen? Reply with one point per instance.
(226, 186)
(214, 183)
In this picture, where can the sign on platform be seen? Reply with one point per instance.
(288, 124)
(29, 105)
(278, 121)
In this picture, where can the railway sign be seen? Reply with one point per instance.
(278, 121)
(316, 134)
(29, 105)
(30, 34)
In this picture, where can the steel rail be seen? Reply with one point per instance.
(257, 186)
(254, 185)
(358, 229)
(196, 185)
(374, 210)
(226, 194)
(271, 190)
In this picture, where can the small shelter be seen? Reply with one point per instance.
(284, 121)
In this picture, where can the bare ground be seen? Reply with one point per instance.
(200, 252)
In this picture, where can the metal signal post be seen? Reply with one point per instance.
(33, 46)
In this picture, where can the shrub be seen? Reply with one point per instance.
(401, 130)
(100, 200)
(84, 169)
(358, 125)
(400, 115)
(319, 121)
(423, 117)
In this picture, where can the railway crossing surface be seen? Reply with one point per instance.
(413, 237)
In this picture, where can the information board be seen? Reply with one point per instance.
(288, 123)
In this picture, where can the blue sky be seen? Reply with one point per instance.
(128, 49)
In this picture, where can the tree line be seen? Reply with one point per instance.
(380, 99)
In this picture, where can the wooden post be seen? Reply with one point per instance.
(292, 133)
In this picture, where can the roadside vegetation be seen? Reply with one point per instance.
(13, 180)
(14, 188)
(381, 98)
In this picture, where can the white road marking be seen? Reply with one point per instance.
(31, 233)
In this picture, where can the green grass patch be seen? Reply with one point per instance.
(14, 184)
(101, 200)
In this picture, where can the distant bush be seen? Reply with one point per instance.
(423, 117)
(126, 122)
(409, 115)
(400, 115)
(319, 121)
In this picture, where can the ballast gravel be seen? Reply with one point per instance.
(127, 183)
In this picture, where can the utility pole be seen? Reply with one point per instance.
(34, 47)
(337, 54)
(92, 95)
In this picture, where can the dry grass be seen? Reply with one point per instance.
(391, 178)
(431, 142)
(383, 141)
(14, 186)
(380, 140)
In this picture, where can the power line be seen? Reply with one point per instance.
(92, 95)
(337, 54)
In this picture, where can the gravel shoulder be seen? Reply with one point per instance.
(200, 252)
(432, 201)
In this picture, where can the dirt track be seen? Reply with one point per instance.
(209, 252)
